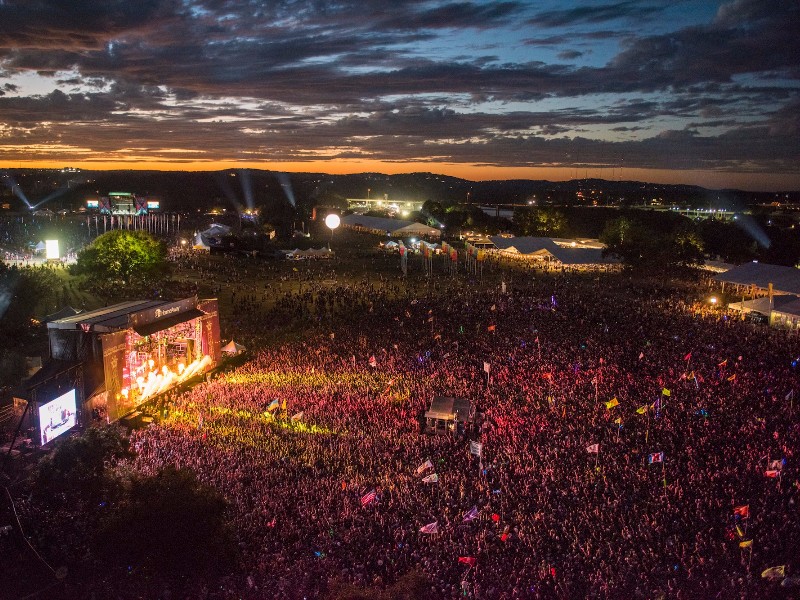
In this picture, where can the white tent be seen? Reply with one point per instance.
(40, 247)
(200, 244)
(232, 348)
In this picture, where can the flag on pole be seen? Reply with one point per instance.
(612, 403)
(430, 528)
(641, 410)
(732, 377)
(618, 421)
(491, 328)
(486, 367)
(471, 514)
(273, 405)
(468, 560)
(688, 357)
(476, 448)
(504, 536)
(593, 448)
(298, 416)
(772, 473)
(666, 392)
(641, 355)
(774, 572)
(372, 362)
(746, 544)
(656, 457)
(368, 497)
(495, 517)
(790, 395)
(432, 478)
(723, 363)
(283, 404)
(777, 465)
(424, 467)
(742, 511)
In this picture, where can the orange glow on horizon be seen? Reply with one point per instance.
(468, 171)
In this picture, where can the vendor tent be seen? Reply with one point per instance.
(232, 348)
(447, 414)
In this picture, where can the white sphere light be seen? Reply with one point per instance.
(332, 221)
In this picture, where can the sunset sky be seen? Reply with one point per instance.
(674, 91)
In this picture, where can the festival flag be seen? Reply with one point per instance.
(641, 410)
(476, 448)
(470, 515)
(724, 363)
(641, 355)
(283, 404)
(372, 362)
(468, 560)
(666, 392)
(612, 403)
(424, 467)
(593, 449)
(746, 544)
(656, 457)
(732, 377)
(273, 405)
(491, 328)
(774, 572)
(298, 416)
(790, 395)
(368, 497)
(432, 478)
(494, 307)
(495, 517)
(618, 421)
(688, 357)
(487, 367)
(776, 465)
(271, 523)
(772, 473)
(742, 511)
(504, 536)
(430, 528)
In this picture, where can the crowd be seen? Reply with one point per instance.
(619, 432)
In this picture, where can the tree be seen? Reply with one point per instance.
(170, 523)
(123, 259)
(77, 467)
(545, 222)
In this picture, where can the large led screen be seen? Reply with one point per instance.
(57, 417)
(51, 249)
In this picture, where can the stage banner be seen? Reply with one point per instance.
(114, 345)
(151, 315)
(210, 321)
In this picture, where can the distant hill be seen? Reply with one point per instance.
(188, 191)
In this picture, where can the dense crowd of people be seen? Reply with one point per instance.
(622, 432)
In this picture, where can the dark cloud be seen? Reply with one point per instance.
(569, 54)
(631, 9)
(300, 79)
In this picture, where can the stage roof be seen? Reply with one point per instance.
(110, 318)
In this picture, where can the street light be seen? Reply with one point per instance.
(332, 221)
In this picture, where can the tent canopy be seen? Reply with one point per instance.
(783, 279)
(232, 348)
(448, 409)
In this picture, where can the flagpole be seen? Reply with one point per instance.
(664, 475)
